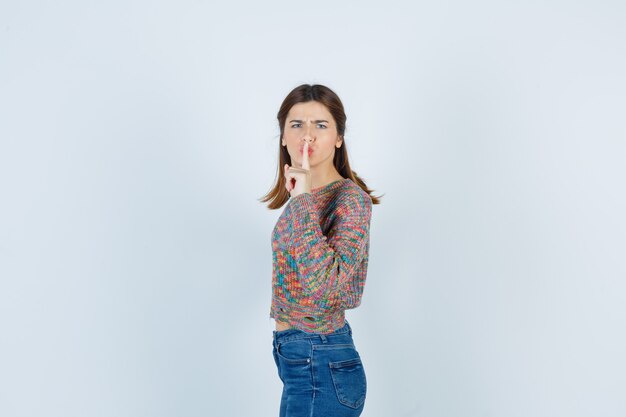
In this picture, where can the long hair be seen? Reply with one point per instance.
(279, 195)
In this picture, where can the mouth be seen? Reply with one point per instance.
(302, 151)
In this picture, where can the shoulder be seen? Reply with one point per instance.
(350, 197)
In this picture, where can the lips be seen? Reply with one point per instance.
(310, 151)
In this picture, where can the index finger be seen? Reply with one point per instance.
(305, 156)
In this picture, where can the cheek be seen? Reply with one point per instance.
(328, 144)
(290, 138)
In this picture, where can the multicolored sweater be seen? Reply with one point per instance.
(320, 248)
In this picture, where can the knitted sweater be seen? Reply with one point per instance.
(320, 248)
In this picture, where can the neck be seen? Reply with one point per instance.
(319, 179)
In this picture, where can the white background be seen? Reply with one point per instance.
(136, 139)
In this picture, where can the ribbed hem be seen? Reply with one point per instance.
(324, 322)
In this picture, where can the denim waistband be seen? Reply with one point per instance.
(281, 336)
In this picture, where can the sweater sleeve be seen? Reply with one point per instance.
(326, 263)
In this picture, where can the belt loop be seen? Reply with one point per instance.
(323, 338)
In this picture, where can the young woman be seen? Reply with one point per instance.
(320, 250)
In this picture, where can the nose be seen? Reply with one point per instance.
(307, 135)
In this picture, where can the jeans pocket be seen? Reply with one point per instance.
(350, 382)
(294, 353)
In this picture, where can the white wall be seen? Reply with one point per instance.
(135, 259)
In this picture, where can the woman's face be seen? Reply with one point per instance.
(312, 122)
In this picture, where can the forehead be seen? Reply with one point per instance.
(309, 110)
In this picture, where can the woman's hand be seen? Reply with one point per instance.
(301, 176)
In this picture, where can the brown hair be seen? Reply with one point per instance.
(279, 195)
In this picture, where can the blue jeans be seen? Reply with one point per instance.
(322, 375)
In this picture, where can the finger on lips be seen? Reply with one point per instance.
(305, 156)
(304, 167)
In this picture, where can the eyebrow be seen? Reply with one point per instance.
(316, 121)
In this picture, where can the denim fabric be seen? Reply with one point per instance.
(322, 374)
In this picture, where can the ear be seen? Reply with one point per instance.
(339, 141)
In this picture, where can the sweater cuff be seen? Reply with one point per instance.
(304, 200)
(303, 213)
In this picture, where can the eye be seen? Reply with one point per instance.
(324, 126)
(294, 125)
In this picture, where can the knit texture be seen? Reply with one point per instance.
(320, 247)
